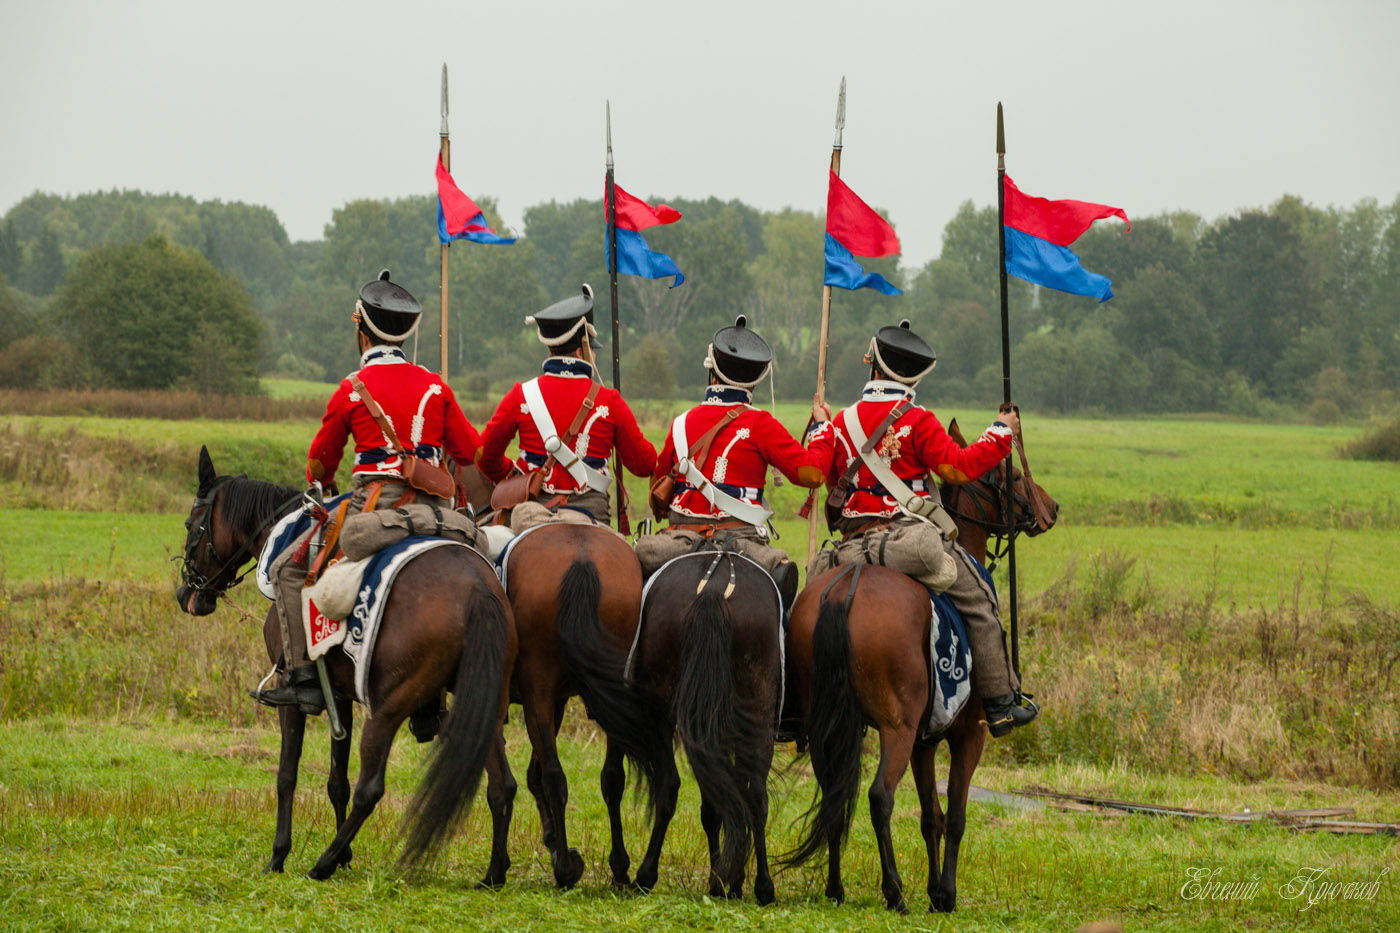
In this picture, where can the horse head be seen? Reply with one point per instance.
(203, 574)
(982, 502)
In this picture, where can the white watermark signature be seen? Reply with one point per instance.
(1308, 887)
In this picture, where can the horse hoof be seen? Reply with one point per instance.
(716, 889)
(645, 882)
(623, 883)
(490, 884)
(943, 902)
(320, 873)
(572, 870)
(899, 906)
(273, 868)
(836, 895)
(764, 895)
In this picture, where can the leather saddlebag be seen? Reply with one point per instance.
(513, 490)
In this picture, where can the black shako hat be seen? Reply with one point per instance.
(902, 354)
(388, 311)
(738, 356)
(562, 320)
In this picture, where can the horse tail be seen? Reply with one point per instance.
(836, 730)
(711, 721)
(466, 736)
(590, 657)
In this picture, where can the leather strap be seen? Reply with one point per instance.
(1042, 512)
(839, 492)
(718, 498)
(927, 508)
(583, 474)
(377, 414)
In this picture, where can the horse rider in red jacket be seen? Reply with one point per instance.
(725, 448)
(422, 411)
(566, 419)
(904, 505)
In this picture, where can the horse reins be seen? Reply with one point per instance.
(191, 577)
(989, 494)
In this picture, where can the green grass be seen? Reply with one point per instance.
(39, 544)
(283, 387)
(114, 824)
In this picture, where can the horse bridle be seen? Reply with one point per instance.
(988, 494)
(203, 532)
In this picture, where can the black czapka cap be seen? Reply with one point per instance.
(902, 354)
(387, 310)
(560, 321)
(738, 356)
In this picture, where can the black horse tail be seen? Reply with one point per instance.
(711, 721)
(467, 734)
(592, 659)
(836, 730)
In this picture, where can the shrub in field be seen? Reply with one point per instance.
(1381, 444)
(1187, 687)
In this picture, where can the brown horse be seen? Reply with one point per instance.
(576, 592)
(709, 664)
(858, 659)
(446, 626)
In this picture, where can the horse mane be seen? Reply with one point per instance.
(247, 503)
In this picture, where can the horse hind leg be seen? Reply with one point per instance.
(710, 822)
(965, 751)
(896, 744)
(551, 788)
(500, 798)
(293, 728)
(931, 820)
(613, 781)
(375, 740)
(338, 781)
(758, 768)
(668, 787)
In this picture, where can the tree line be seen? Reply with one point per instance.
(1290, 305)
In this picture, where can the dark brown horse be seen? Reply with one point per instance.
(446, 626)
(576, 591)
(858, 659)
(709, 665)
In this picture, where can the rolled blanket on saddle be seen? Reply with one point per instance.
(655, 550)
(367, 533)
(909, 545)
(370, 532)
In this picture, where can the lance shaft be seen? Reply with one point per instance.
(445, 151)
(621, 517)
(817, 514)
(1006, 392)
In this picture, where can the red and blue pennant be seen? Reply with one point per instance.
(634, 257)
(458, 216)
(1038, 233)
(854, 229)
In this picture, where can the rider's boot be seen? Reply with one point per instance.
(303, 689)
(785, 575)
(1004, 713)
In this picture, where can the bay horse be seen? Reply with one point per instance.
(575, 592)
(446, 626)
(708, 662)
(858, 659)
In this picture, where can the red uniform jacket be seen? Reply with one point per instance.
(419, 405)
(913, 446)
(564, 385)
(739, 456)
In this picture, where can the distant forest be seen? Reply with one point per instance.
(1292, 306)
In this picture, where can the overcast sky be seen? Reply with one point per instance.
(1207, 106)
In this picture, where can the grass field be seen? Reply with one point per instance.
(1213, 624)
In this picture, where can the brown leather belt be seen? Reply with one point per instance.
(706, 529)
(876, 524)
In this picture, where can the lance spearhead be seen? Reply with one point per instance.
(840, 114)
(610, 157)
(443, 131)
(1001, 141)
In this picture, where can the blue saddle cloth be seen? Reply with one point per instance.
(950, 678)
